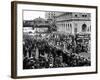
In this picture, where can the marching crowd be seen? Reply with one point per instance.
(53, 52)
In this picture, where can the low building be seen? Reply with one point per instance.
(28, 23)
(40, 25)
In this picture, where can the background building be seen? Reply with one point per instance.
(71, 22)
(38, 25)
(52, 14)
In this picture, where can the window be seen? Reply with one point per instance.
(82, 15)
(75, 15)
(84, 27)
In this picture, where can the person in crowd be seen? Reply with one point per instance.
(53, 52)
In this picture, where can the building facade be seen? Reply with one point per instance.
(38, 25)
(52, 14)
(72, 22)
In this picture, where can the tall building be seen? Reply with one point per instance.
(52, 14)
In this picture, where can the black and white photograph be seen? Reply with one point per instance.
(54, 39)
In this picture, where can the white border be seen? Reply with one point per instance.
(21, 72)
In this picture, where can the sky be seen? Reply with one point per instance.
(30, 15)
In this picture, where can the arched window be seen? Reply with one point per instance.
(84, 27)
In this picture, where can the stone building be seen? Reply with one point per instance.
(71, 22)
(51, 16)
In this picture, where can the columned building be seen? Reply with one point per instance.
(72, 22)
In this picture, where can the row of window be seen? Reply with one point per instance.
(82, 15)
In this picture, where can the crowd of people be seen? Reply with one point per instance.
(53, 52)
